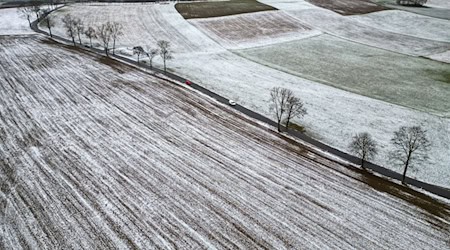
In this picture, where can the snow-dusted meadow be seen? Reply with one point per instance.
(12, 23)
(96, 154)
(254, 29)
(333, 115)
(413, 82)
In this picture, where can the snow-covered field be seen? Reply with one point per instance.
(407, 23)
(408, 81)
(96, 154)
(254, 29)
(333, 115)
(12, 23)
(143, 25)
(348, 28)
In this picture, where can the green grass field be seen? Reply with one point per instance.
(216, 9)
(409, 81)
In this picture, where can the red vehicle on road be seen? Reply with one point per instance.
(188, 82)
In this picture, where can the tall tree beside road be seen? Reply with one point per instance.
(164, 51)
(152, 53)
(49, 22)
(116, 32)
(69, 25)
(294, 108)
(104, 34)
(364, 147)
(79, 28)
(26, 12)
(279, 98)
(90, 33)
(410, 146)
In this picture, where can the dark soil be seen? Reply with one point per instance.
(349, 7)
(216, 9)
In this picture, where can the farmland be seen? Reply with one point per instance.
(220, 8)
(433, 8)
(347, 28)
(97, 154)
(349, 7)
(143, 25)
(408, 81)
(406, 23)
(254, 29)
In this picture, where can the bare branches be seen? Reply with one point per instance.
(104, 34)
(26, 12)
(284, 103)
(164, 51)
(138, 50)
(294, 108)
(69, 25)
(152, 53)
(116, 31)
(364, 147)
(79, 28)
(49, 22)
(90, 33)
(411, 146)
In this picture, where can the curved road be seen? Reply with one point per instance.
(443, 192)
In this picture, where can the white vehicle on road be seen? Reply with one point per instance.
(232, 103)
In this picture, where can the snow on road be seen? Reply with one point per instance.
(253, 29)
(12, 23)
(96, 154)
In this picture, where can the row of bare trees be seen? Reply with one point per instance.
(410, 146)
(163, 50)
(107, 33)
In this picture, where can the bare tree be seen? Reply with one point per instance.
(104, 34)
(49, 22)
(364, 147)
(36, 8)
(164, 51)
(138, 50)
(26, 12)
(294, 108)
(79, 28)
(410, 146)
(151, 53)
(90, 33)
(69, 25)
(279, 98)
(116, 31)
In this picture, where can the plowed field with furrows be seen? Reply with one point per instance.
(96, 154)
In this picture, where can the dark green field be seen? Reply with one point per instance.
(216, 9)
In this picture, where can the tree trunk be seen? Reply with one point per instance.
(29, 22)
(79, 38)
(106, 51)
(73, 40)
(114, 46)
(90, 41)
(287, 122)
(138, 57)
(50, 31)
(406, 168)
(164, 65)
(279, 125)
